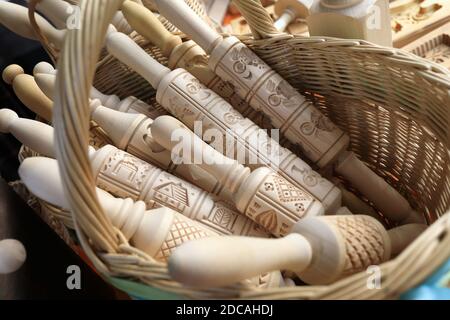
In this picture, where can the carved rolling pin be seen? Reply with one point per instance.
(12, 255)
(320, 250)
(151, 231)
(262, 195)
(187, 55)
(157, 232)
(129, 132)
(46, 82)
(298, 119)
(127, 176)
(183, 96)
(288, 11)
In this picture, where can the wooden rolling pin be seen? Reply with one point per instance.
(131, 132)
(320, 250)
(157, 232)
(186, 98)
(288, 11)
(46, 83)
(264, 89)
(12, 255)
(124, 175)
(262, 195)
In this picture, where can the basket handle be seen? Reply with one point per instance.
(76, 69)
(51, 51)
(258, 19)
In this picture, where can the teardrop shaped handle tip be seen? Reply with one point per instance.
(11, 72)
(43, 67)
(7, 117)
(12, 255)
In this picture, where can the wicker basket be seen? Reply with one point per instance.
(394, 105)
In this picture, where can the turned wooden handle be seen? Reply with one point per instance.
(27, 90)
(57, 11)
(386, 198)
(15, 18)
(219, 261)
(46, 82)
(127, 51)
(147, 24)
(299, 7)
(289, 10)
(12, 255)
(34, 134)
(182, 142)
(41, 176)
(44, 67)
(320, 250)
(403, 236)
(182, 16)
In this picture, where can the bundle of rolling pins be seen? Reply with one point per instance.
(199, 185)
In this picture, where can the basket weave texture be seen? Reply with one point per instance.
(394, 106)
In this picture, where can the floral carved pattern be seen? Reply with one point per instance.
(318, 123)
(195, 87)
(282, 94)
(243, 58)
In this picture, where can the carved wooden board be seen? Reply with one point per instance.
(434, 46)
(414, 18)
